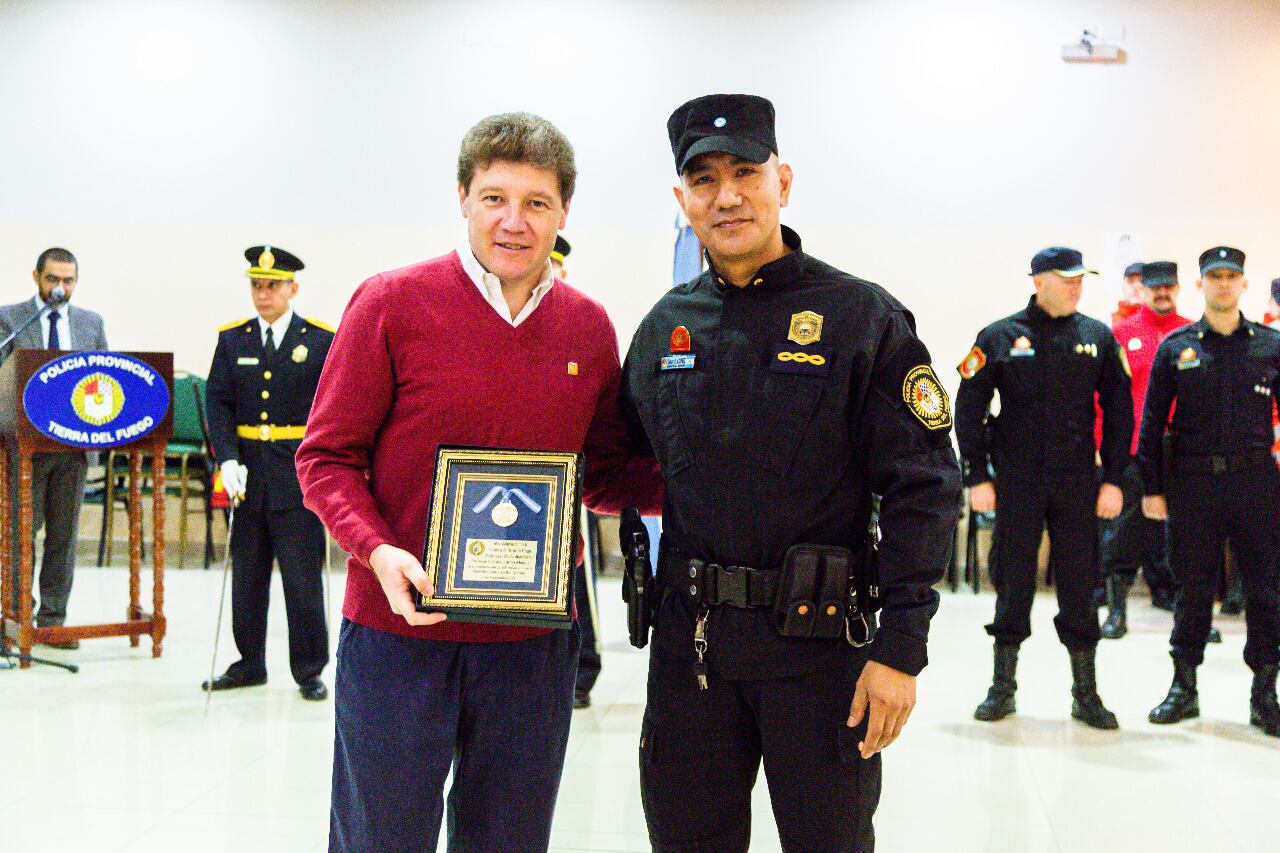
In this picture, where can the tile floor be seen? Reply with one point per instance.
(121, 756)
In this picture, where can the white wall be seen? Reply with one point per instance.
(937, 145)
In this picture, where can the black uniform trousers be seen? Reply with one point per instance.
(700, 751)
(589, 660)
(1067, 502)
(1131, 539)
(1204, 511)
(295, 537)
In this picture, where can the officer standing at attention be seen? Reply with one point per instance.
(1213, 477)
(584, 589)
(263, 379)
(1132, 538)
(778, 393)
(1047, 362)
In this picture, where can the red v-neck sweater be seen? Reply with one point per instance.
(421, 359)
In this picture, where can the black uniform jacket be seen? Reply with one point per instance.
(249, 388)
(1224, 386)
(767, 442)
(1049, 371)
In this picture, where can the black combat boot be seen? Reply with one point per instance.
(1087, 705)
(1117, 624)
(1264, 711)
(999, 702)
(1183, 701)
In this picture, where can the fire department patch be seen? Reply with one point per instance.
(924, 396)
(973, 362)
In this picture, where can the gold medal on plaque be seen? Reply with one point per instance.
(505, 513)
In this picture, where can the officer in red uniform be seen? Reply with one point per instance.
(1131, 539)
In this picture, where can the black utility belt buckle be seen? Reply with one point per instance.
(813, 592)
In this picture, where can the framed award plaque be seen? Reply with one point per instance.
(502, 536)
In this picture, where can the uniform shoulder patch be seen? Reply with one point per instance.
(235, 325)
(925, 397)
(973, 362)
(320, 324)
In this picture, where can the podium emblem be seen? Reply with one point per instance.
(97, 399)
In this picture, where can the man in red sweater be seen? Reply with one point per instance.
(480, 347)
(1131, 538)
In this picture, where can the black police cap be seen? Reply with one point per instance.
(1059, 259)
(272, 262)
(1156, 273)
(1133, 269)
(741, 125)
(561, 250)
(1222, 258)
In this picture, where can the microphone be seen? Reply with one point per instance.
(58, 296)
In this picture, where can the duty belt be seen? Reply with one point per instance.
(270, 432)
(1228, 463)
(702, 582)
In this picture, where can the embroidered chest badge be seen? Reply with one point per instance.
(925, 397)
(973, 362)
(1188, 359)
(806, 328)
(1022, 347)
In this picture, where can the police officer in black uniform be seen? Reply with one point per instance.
(1213, 476)
(1047, 362)
(261, 385)
(778, 394)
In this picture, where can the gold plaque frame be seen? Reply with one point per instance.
(515, 564)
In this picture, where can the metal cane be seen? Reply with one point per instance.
(222, 599)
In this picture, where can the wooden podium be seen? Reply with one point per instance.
(20, 440)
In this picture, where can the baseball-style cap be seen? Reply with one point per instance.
(1222, 258)
(1133, 269)
(1059, 259)
(741, 125)
(1157, 273)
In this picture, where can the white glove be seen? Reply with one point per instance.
(234, 479)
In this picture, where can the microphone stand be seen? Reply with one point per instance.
(59, 299)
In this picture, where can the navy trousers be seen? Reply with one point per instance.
(409, 710)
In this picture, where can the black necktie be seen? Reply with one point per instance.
(54, 343)
(271, 342)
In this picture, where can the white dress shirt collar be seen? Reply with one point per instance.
(64, 323)
(278, 328)
(490, 287)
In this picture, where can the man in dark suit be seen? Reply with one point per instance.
(57, 479)
(263, 379)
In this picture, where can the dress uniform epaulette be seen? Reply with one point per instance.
(234, 325)
(320, 324)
